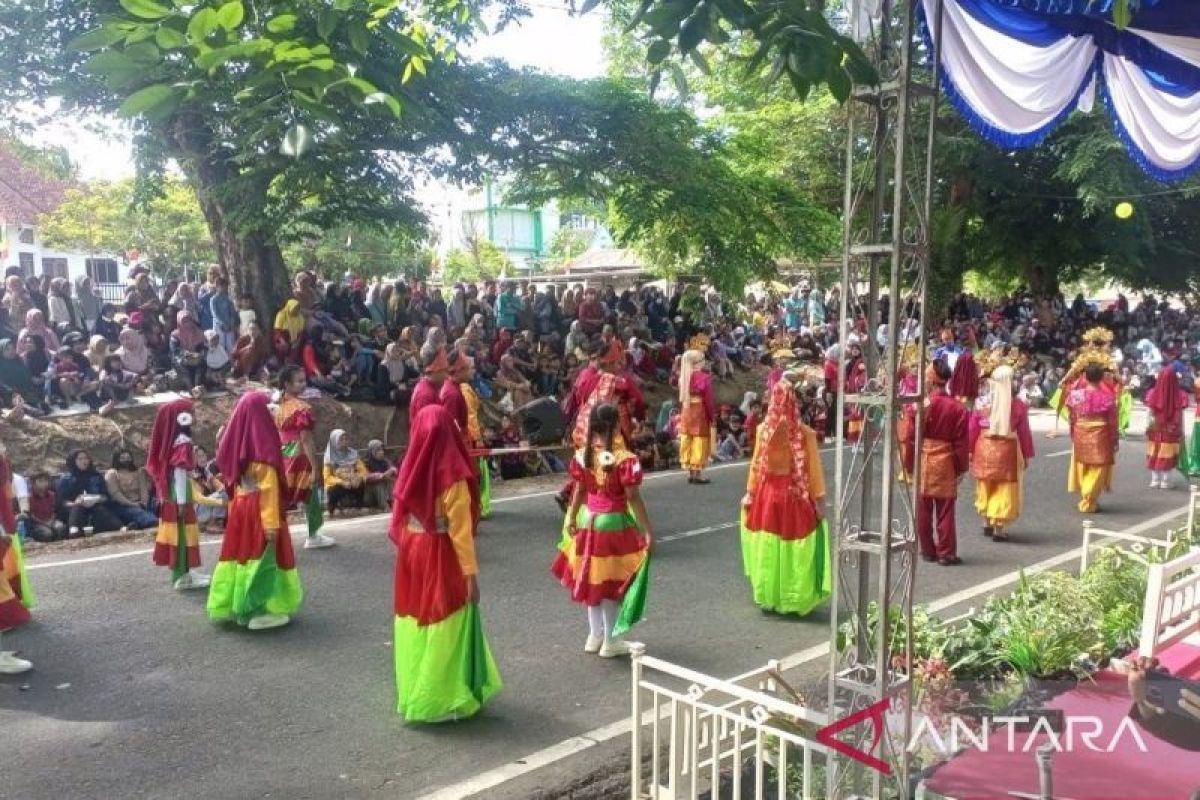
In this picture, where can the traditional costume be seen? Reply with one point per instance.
(1164, 435)
(785, 540)
(945, 455)
(460, 399)
(255, 581)
(1189, 461)
(964, 380)
(1001, 446)
(697, 413)
(856, 381)
(444, 668)
(427, 392)
(294, 418)
(170, 464)
(16, 595)
(1094, 441)
(598, 560)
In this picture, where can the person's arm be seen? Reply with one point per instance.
(974, 428)
(114, 490)
(1025, 436)
(268, 498)
(330, 478)
(816, 473)
(752, 473)
(306, 444)
(634, 495)
(457, 502)
(308, 359)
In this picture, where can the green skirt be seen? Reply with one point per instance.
(1189, 454)
(790, 576)
(444, 670)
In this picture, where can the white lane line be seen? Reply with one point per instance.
(492, 778)
(674, 537)
(1066, 452)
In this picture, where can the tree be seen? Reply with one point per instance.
(569, 243)
(167, 230)
(478, 259)
(364, 250)
(51, 161)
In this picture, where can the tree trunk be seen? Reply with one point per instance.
(1042, 282)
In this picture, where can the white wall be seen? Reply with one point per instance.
(76, 260)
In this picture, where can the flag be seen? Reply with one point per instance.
(27, 598)
(633, 606)
(261, 585)
(313, 513)
(476, 662)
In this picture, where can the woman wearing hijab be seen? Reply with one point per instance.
(129, 491)
(380, 479)
(62, 307)
(255, 581)
(785, 539)
(171, 462)
(344, 473)
(217, 362)
(97, 352)
(1166, 402)
(83, 497)
(444, 668)
(17, 384)
(88, 302)
(1000, 445)
(35, 325)
(188, 350)
(285, 334)
(105, 323)
(509, 378)
(135, 355)
(184, 299)
(697, 412)
(251, 353)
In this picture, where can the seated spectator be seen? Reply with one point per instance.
(217, 363)
(381, 477)
(83, 498)
(522, 353)
(512, 465)
(129, 492)
(69, 380)
(134, 353)
(106, 324)
(88, 303)
(97, 352)
(251, 354)
(318, 360)
(207, 490)
(117, 384)
(644, 444)
(141, 296)
(188, 351)
(285, 334)
(1030, 393)
(19, 388)
(344, 474)
(35, 325)
(510, 380)
(39, 518)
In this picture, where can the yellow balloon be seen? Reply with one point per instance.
(1124, 210)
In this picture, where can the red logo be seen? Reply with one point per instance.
(874, 713)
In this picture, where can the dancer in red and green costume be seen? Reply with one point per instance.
(255, 582)
(608, 530)
(444, 668)
(170, 463)
(16, 595)
(458, 397)
(785, 539)
(295, 420)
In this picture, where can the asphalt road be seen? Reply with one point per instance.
(136, 695)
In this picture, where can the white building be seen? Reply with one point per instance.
(24, 196)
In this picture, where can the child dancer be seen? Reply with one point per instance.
(170, 463)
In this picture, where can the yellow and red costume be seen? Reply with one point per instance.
(16, 595)
(170, 463)
(697, 413)
(1001, 446)
(945, 455)
(1164, 436)
(1094, 441)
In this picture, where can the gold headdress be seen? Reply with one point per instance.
(700, 342)
(1096, 351)
(1098, 337)
(1008, 355)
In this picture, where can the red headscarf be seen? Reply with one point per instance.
(964, 381)
(783, 409)
(250, 435)
(162, 442)
(1166, 399)
(436, 459)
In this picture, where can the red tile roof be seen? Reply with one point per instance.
(24, 192)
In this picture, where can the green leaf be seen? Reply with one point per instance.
(658, 51)
(145, 99)
(405, 44)
(202, 24)
(587, 6)
(360, 38)
(364, 86)
(418, 64)
(407, 74)
(383, 97)
(323, 64)
(115, 68)
(96, 39)
(169, 38)
(679, 78)
(839, 84)
(230, 15)
(655, 79)
(1122, 14)
(143, 52)
(693, 29)
(145, 9)
(282, 23)
(296, 141)
(701, 62)
(327, 21)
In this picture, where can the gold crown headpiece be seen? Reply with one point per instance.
(1009, 356)
(1098, 336)
(699, 342)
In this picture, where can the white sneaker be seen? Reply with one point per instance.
(592, 645)
(614, 648)
(319, 542)
(11, 665)
(266, 621)
(192, 580)
(1154, 483)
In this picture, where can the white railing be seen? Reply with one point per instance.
(1139, 548)
(694, 734)
(1172, 610)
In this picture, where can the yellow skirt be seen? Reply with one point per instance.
(695, 451)
(999, 502)
(1089, 482)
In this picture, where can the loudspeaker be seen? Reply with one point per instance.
(542, 421)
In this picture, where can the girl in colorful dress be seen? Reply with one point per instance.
(608, 531)
(16, 596)
(444, 668)
(785, 540)
(170, 463)
(1166, 402)
(255, 581)
(1001, 446)
(295, 421)
(696, 417)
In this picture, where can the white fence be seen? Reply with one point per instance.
(1172, 610)
(694, 735)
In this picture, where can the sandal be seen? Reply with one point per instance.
(701, 481)
(952, 561)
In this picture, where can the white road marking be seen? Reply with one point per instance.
(492, 778)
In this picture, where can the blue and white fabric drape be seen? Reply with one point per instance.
(1016, 68)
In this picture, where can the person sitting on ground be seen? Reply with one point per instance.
(316, 358)
(344, 473)
(83, 498)
(97, 352)
(106, 324)
(381, 477)
(39, 518)
(510, 379)
(117, 384)
(188, 351)
(135, 355)
(35, 325)
(68, 378)
(19, 387)
(207, 490)
(129, 492)
(217, 363)
(251, 354)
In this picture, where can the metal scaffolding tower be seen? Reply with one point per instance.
(886, 235)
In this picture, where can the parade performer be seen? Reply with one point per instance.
(906, 425)
(964, 380)
(16, 595)
(1094, 437)
(9, 663)
(428, 391)
(945, 456)
(1189, 460)
(459, 398)
(1001, 446)
(444, 668)
(255, 582)
(170, 463)
(697, 414)
(785, 539)
(1164, 435)
(294, 418)
(608, 529)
